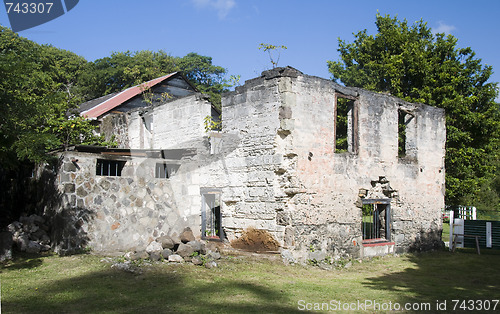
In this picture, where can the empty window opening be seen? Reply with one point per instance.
(165, 171)
(211, 216)
(406, 134)
(147, 121)
(401, 133)
(146, 130)
(111, 168)
(344, 125)
(376, 221)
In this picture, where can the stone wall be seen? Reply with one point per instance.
(274, 165)
(290, 181)
(250, 198)
(121, 213)
(114, 127)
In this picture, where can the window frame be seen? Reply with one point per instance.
(164, 170)
(407, 134)
(109, 167)
(388, 218)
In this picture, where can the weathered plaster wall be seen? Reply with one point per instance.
(174, 124)
(327, 214)
(292, 183)
(251, 114)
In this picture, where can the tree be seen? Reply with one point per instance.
(207, 78)
(413, 64)
(125, 69)
(38, 89)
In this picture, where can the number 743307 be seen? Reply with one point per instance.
(475, 305)
(29, 7)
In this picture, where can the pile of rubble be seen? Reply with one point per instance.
(29, 234)
(174, 249)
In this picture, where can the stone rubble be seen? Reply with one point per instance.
(5, 246)
(167, 249)
(29, 234)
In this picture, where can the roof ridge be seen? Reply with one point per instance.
(121, 97)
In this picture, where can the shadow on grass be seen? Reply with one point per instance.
(442, 275)
(22, 261)
(166, 289)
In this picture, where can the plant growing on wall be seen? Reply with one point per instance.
(235, 80)
(273, 51)
(149, 96)
(211, 124)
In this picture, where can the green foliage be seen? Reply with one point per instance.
(489, 194)
(341, 121)
(311, 248)
(211, 124)
(208, 78)
(37, 91)
(150, 98)
(125, 69)
(411, 63)
(312, 262)
(235, 80)
(273, 51)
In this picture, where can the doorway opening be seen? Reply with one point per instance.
(211, 216)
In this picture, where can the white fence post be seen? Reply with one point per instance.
(458, 228)
(488, 234)
(452, 217)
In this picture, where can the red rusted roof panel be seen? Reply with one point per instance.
(122, 97)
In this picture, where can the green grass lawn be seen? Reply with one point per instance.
(446, 232)
(84, 284)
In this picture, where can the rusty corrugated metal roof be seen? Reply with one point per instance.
(122, 97)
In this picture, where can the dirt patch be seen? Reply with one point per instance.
(256, 240)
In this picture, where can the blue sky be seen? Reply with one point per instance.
(230, 31)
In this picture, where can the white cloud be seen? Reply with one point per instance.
(443, 28)
(221, 6)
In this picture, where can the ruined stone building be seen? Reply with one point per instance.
(319, 166)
